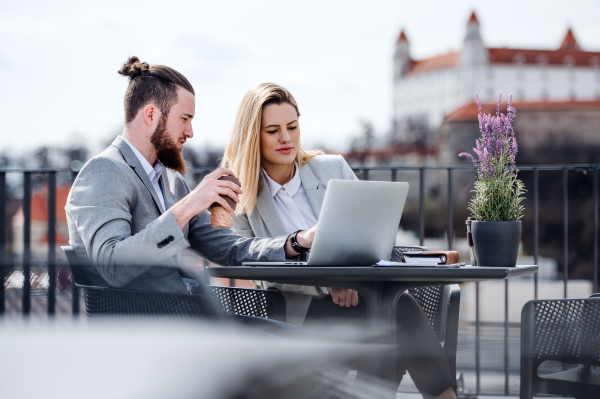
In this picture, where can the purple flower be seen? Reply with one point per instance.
(499, 104)
(497, 148)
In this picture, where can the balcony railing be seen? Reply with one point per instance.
(23, 183)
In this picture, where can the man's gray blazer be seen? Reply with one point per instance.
(265, 221)
(116, 219)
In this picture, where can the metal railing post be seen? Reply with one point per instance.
(26, 243)
(565, 231)
(74, 289)
(506, 372)
(3, 226)
(536, 246)
(450, 221)
(595, 260)
(477, 342)
(51, 242)
(421, 206)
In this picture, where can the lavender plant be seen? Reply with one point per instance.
(498, 192)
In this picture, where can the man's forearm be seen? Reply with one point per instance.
(182, 212)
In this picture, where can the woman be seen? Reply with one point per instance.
(284, 187)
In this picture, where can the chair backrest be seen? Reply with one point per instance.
(102, 300)
(433, 300)
(269, 304)
(128, 304)
(567, 330)
(84, 274)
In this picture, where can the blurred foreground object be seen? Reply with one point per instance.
(175, 360)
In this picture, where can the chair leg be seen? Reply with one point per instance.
(527, 335)
(451, 338)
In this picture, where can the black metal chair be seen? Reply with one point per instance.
(441, 305)
(212, 304)
(565, 331)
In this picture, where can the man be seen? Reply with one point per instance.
(131, 212)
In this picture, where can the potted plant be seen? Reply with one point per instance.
(496, 205)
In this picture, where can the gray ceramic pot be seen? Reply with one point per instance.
(496, 243)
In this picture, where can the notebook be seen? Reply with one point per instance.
(357, 225)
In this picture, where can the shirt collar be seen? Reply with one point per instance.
(152, 172)
(291, 187)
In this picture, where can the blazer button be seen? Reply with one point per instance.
(159, 245)
(171, 238)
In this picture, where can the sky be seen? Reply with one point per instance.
(59, 59)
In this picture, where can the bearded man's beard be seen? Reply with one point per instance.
(166, 149)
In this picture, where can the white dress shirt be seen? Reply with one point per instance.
(153, 173)
(293, 206)
(292, 203)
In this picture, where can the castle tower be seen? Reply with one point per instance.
(402, 56)
(569, 42)
(473, 51)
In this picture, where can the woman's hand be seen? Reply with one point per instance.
(344, 296)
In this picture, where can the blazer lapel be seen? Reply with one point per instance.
(135, 164)
(315, 191)
(268, 211)
(166, 186)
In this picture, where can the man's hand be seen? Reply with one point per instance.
(304, 238)
(204, 195)
(344, 296)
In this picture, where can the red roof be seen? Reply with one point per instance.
(550, 57)
(39, 203)
(444, 61)
(473, 18)
(402, 37)
(468, 113)
(569, 42)
(569, 53)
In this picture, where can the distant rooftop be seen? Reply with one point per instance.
(568, 54)
(468, 113)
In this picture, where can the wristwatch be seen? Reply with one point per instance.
(294, 243)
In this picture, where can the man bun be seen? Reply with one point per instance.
(158, 84)
(134, 68)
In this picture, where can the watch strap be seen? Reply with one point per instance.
(294, 243)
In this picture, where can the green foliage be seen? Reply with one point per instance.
(499, 197)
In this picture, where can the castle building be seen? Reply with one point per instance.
(426, 91)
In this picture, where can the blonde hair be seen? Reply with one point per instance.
(242, 154)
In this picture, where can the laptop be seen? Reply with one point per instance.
(357, 225)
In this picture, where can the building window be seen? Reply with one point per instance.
(569, 61)
(519, 59)
(520, 94)
(595, 62)
(544, 95)
(544, 76)
(542, 60)
(572, 77)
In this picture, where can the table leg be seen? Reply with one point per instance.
(382, 300)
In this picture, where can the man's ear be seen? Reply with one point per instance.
(150, 114)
